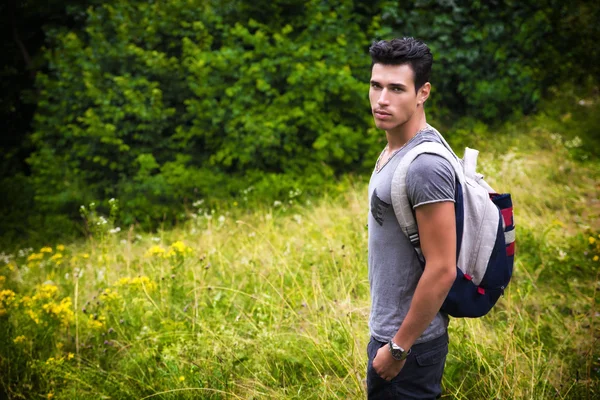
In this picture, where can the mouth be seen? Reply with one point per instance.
(381, 114)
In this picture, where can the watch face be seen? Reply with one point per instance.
(397, 352)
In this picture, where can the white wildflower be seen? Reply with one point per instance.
(100, 274)
(574, 143)
(556, 137)
(25, 252)
(294, 193)
(6, 257)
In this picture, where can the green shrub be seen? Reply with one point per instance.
(160, 105)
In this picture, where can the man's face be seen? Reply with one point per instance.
(392, 95)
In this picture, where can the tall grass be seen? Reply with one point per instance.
(273, 302)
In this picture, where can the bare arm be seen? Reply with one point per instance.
(437, 232)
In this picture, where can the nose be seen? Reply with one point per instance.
(383, 98)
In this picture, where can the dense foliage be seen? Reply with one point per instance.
(156, 104)
(160, 104)
(497, 58)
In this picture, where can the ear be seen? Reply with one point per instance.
(423, 93)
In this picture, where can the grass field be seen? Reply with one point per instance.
(273, 302)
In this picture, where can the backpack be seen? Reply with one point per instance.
(485, 231)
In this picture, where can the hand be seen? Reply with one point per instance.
(386, 366)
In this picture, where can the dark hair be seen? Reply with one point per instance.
(404, 51)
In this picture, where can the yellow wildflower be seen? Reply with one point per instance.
(6, 298)
(70, 356)
(86, 255)
(596, 258)
(97, 324)
(46, 250)
(6, 295)
(60, 247)
(19, 339)
(143, 281)
(33, 316)
(138, 281)
(26, 301)
(155, 251)
(11, 266)
(45, 291)
(56, 257)
(62, 312)
(109, 295)
(592, 240)
(179, 248)
(50, 395)
(181, 378)
(123, 282)
(35, 257)
(2, 280)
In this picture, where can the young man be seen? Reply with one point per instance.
(409, 339)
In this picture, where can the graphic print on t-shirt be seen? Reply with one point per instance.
(377, 207)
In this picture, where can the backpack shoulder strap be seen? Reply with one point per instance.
(400, 202)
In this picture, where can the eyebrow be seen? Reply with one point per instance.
(391, 85)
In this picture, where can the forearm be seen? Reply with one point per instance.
(431, 291)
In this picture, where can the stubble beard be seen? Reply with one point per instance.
(390, 126)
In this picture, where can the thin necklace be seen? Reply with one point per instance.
(378, 168)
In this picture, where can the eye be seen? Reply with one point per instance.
(375, 85)
(398, 90)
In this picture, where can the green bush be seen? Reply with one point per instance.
(494, 59)
(161, 104)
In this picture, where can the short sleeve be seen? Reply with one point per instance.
(430, 179)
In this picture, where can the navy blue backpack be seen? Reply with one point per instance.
(485, 231)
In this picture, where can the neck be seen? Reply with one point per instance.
(400, 135)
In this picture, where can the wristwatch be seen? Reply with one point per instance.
(398, 352)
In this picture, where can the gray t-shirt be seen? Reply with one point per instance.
(394, 269)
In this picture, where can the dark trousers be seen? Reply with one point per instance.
(420, 378)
